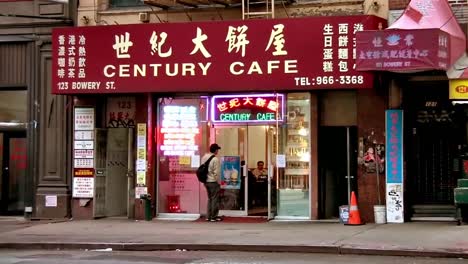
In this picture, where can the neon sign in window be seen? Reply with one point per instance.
(247, 108)
(179, 129)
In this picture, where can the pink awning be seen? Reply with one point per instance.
(426, 37)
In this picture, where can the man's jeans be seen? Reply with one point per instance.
(212, 189)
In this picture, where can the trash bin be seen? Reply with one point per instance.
(147, 204)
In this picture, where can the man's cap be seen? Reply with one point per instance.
(214, 147)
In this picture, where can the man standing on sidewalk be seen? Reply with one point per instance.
(212, 185)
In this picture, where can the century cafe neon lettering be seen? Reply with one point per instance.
(247, 117)
(247, 108)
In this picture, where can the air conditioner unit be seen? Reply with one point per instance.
(143, 17)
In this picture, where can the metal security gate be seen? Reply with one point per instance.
(434, 133)
(433, 168)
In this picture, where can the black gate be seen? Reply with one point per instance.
(435, 132)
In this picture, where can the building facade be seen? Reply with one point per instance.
(434, 133)
(141, 127)
(72, 149)
(33, 127)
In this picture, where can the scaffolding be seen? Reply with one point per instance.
(255, 9)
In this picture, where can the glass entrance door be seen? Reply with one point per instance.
(233, 180)
(247, 170)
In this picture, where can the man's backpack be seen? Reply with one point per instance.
(202, 171)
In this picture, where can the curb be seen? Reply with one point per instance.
(404, 252)
(323, 249)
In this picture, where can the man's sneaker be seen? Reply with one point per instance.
(212, 220)
(217, 219)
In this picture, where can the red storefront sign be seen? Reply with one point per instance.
(274, 54)
(401, 50)
(79, 172)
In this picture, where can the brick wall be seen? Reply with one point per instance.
(398, 4)
(371, 126)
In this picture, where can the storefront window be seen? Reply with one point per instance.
(179, 141)
(293, 184)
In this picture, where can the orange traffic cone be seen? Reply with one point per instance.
(354, 216)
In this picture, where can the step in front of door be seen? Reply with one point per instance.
(433, 213)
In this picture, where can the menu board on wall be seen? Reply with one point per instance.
(83, 152)
(84, 118)
(83, 187)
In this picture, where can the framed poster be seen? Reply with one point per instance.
(230, 172)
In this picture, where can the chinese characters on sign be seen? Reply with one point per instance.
(394, 165)
(121, 112)
(83, 187)
(179, 129)
(71, 57)
(247, 108)
(83, 150)
(84, 118)
(343, 47)
(397, 50)
(207, 56)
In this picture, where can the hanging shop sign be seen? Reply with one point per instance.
(247, 108)
(426, 36)
(402, 50)
(294, 53)
(394, 165)
(458, 89)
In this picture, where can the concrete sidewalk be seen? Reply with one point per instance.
(409, 239)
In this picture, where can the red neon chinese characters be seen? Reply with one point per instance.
(233, 103)
(260, 102)
(222, 106)
(273, 106)
(248, 101)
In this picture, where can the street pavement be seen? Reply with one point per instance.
(437, 239)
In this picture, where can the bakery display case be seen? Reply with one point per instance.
(293, 184)
(297, 145)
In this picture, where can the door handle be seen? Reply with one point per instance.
(352, 177)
